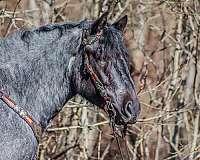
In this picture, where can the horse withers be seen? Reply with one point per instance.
(42, 68)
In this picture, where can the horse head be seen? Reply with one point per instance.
(105, 79)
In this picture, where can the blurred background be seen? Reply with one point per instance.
(163, 40)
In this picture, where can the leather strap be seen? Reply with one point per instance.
(36, 127)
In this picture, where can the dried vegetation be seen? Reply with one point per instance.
(163, 42)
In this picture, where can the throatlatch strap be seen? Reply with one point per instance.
(36, 128)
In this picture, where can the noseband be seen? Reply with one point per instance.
(108, 107)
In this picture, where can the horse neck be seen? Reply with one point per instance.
(42, 79)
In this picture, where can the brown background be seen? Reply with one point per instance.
(163, 42)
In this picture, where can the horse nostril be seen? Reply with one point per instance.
(129, 105)
(132, 110)
(128, 109)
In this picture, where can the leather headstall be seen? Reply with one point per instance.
(118, 131)
(109, 107)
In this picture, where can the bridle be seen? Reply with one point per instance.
(108, 107)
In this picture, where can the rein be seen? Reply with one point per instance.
(36, 127)
(108, 107)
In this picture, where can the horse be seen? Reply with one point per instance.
(42, 68)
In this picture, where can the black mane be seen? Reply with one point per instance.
(112, 38)
(26, 33)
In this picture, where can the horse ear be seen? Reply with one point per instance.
(99, 24)
(121, 23)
